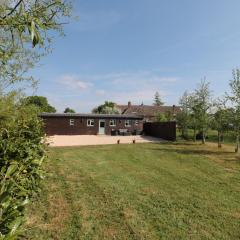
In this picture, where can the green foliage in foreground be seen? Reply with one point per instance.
(26, 30)
(141, 191)
(21, 156)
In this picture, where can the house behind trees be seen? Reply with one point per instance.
(148, 112)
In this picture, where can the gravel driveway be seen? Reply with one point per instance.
(84, 140)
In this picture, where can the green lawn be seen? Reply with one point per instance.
(141, 191)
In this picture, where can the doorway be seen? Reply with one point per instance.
(101, 127)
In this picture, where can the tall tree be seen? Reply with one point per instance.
(69, 110)
(183, 118)
(157, 100)
(234, 97)
(201, 106)
(40, 102)
(222, 120)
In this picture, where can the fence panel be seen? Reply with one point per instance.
(164, 130)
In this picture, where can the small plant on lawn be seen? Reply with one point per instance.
(21, 155)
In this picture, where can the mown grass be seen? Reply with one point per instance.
(141, 191)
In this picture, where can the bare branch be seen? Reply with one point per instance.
(13, 10)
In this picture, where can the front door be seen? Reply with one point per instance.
(101, 127)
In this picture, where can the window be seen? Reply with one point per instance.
(71, 122)
(112, 123)
(90, 122)
(136, 122)
(127, 123)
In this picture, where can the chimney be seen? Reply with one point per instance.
(129, 104)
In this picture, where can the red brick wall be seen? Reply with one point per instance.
(61, 126)
(120, 124)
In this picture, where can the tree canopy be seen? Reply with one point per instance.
(234, 97)
(24, 25)
(69, 110)
(40, 102)
(222, 120)
(201, 104)
(107, 108)
(157, 100)
(160, 117)
(183, 118)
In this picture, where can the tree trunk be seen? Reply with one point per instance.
(237, 143)
(203, 138)
(186, 133)
(194, 135)
(222, 138)
(219, 140)
(183, 133)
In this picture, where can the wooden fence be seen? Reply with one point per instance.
(164, 130)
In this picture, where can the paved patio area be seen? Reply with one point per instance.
(84, 140)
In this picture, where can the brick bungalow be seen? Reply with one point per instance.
(148, 112)
(91, 124)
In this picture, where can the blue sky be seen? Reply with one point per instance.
(129, 49)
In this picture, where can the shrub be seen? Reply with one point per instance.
(22, 152)
(160, 117)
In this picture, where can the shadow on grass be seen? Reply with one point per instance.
(226, 156)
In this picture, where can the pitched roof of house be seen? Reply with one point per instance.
(91, 115)
(147, 110)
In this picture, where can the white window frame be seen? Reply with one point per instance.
(71, 122)
(90, 122)
(128, 123)
(112, 123)
(136, 122)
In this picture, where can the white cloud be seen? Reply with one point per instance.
(74, 82)
(120, 87)
(134, 78)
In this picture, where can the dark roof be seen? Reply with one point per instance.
(90, 115)
(148, 110)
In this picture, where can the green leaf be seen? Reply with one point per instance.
(15, 225)
(32, 30)
(11, 169)
(4, 197)
(25, 202)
